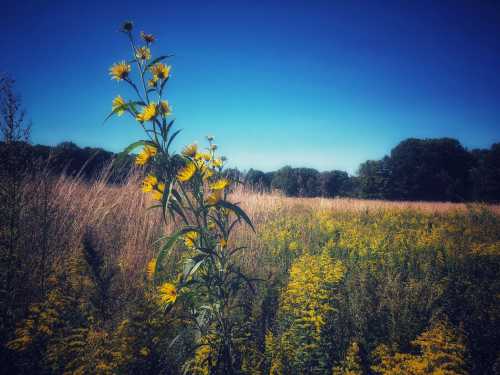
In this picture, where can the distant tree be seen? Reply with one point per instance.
(285, 180)
(334, 183)
(374, 179)
(430, 169)
(485, 174)
(258, 180)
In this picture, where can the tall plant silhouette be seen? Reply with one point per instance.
(192, 192)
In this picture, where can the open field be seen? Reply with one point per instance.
(342, 285)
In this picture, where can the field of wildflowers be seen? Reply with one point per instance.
(164, 275)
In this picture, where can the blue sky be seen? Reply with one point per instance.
(323, 84)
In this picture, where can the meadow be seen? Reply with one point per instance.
(339, 286)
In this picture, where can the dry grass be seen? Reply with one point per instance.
(126, 230)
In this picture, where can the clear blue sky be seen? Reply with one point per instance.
(324, 84)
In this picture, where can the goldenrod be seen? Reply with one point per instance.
(119, 71)
(117, 105)
(151, 268)
(186, 173)
(167, 293)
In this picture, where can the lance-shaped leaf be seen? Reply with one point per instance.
(158, 59)
(167, 247)
(237, 211)
(123, 107)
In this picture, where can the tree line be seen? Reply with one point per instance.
(416, 169)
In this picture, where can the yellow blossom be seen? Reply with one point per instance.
(186, 173)
(143, 53)
(148, 112)
(146, 153)
(190, 239)
(220, 184)
(152, 82)
(151, 268)
(190, 150)
(214, 197)
(119, 71)
(160, 71)
(223, 243)
(158, 193)
(217, 163)
(117, 103)
(167, 293)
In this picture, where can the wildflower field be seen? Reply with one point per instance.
(341, 286)
(179, 269)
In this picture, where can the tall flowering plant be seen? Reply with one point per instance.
(192, 192)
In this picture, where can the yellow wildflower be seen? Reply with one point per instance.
(144, 351)
(160, 71)
(158, 193)
(151, 268)
(217, 163)
(203, 156)
(190, 239)
(214, 197)
(117, 103)
(143, 53)
(190, 150)
(146, 153)
(220, 184)
(186, 173)
(166, 108)
(148, 184)
(119, 71)
(223, 243)
(148, 112)
(152, 82)
(167, 293)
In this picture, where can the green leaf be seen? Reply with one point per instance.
(158, 59)
(238, 211)
(172, 138)
(167, 247)
(134, 145)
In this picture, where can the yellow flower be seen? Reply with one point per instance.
(160, 71)
(144, 351)
(143, 53)
(214, 197)
(152, 82)
(148, 38)
(158, 193)
(220, 184)
(223, 243)
(186, 173)
(119, 71)
(203, 156)
(190, 239)
(190, 150)
(148, 112)
(148, 184)
(167, 293)
(166, 108)
(117, 103)
(151, 268)
(217, 163)
(146, 153)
